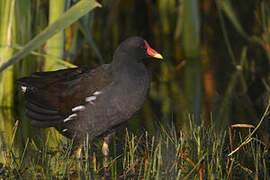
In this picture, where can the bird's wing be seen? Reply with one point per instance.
(51, 96)
(101, 113)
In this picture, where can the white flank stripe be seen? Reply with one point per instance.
(78, 108)
(97, 93)
(64, 130)
(70, 117)
(90, 99)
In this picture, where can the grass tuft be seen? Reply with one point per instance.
(199, 153)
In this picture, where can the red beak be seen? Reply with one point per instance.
(152, 52)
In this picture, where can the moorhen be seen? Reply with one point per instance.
(82, 102)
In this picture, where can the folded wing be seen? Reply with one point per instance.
(51, 96)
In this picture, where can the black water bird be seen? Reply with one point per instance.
(82, 102)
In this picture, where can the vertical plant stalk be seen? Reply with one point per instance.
(55, 45)
(6, 24)
(55, 48)
(191, 28)
(25, 28)
(191, 42)
(266, 27)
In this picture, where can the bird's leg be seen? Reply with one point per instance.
(77, 157)
(78, 152)
(106, 151)
(106, 142)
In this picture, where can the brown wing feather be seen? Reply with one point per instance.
(50, 96)
(73, 93)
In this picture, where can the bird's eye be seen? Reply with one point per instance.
(141, 46)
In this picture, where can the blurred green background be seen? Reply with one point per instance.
(215, 68)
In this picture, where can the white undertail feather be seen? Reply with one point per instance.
(70, 117)
(24, 88)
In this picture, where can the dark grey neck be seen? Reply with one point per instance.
(124, 66)
(122, 61)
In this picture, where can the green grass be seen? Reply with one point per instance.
(197, 153)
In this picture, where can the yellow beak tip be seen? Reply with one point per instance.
(158, 56)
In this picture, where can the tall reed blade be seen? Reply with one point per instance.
(55, 45)
(6, 38)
